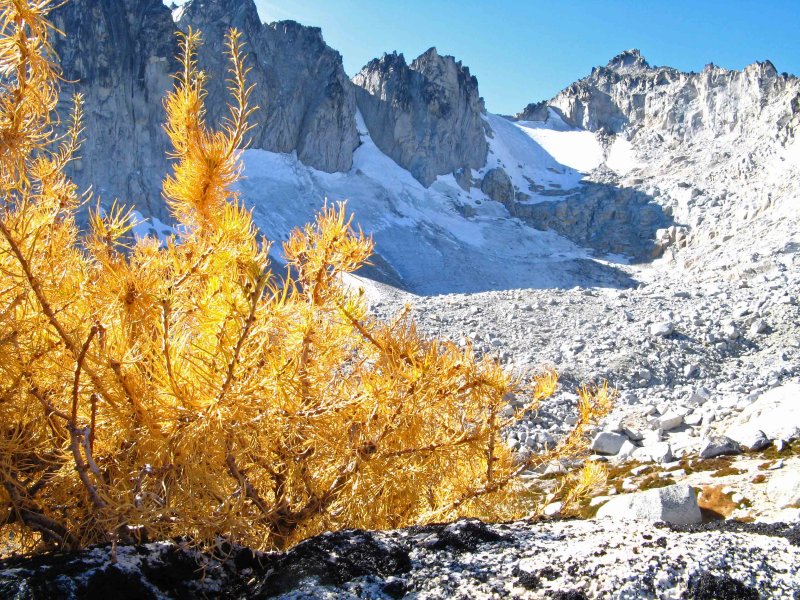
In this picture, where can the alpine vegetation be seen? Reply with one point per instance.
(186, 389)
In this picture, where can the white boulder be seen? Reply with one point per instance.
(784, 489)
(670, 420)
(662, 329)
(673, 504)
(608, 443)
(776, 413)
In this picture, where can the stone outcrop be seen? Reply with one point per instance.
(305, 99)
(535, 111)
(119, 54)
(426, 116)
(702, 141)
(675, 504)
(467, 559)
(607, 218)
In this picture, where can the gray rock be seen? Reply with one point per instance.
(693, 419)
(633, 434)
(463, 177)
(730, 332)
(497, 185)
(698, 397)
(675, 504)
(608, 443)
(718, 446)
(670, 420)
(691, 370)
(776, 413)
(758, 327)
(427, 116)
(660, 452)
(608, 218)
(748, 438)
(306, 101)
(535, 111)
(120, 54)
(553, 509)
(627, 449)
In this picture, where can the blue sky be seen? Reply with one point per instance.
(524, 51)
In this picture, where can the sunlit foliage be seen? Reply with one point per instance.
(152, 391)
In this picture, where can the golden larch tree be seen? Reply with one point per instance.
(183, 389)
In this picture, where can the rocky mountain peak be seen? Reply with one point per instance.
(427, 116)
(306, 103)
(388, 62)
(301, 34)
(441, 68)
(628, 60)
(535, 111)
(631, 96)
(763, 68)
(225, 13)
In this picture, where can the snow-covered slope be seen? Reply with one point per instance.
(546, 158)
(429, 240)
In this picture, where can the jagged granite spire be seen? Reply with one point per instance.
(426, 115)
(121, 53)
(306, 102)
(628, 60)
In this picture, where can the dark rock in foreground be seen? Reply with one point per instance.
(557, 559)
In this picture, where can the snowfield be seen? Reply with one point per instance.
(440, 239)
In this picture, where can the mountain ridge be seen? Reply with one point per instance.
(632, 160)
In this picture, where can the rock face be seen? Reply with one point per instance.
(120, 54)
(605, 217)
(306, 102)
(702, 143)
(426, 115)
(554, 559)
(631, 96)
(535, 111)
(774, 415)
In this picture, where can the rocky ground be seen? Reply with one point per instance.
(468, 559)
(693, 362)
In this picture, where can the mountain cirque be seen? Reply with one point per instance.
(675, 275)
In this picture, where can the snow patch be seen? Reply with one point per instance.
(621, 157)
(575, 148)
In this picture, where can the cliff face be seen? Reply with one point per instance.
(119, 54)
(426, 115)
(306, 102)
